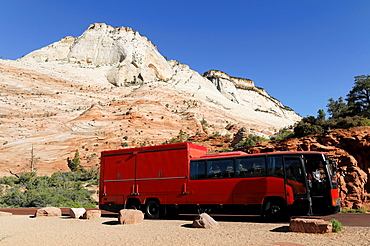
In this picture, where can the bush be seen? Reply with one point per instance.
(249, 142)
(9, 180)
(354, 211)
(60, 190)
(336, 225)
(180, 138)
(282, 134)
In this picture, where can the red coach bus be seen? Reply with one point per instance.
(183, 177)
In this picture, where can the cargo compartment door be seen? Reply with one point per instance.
(120, 175)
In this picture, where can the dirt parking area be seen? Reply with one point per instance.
(26, 230)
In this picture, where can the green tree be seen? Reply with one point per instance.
(182, 137)
(285, 133)
(308, 125)
(249, 142)
(337, 108)
(321, 115)
(359, 97)
(75, 163)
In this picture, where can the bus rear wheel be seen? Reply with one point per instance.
(152, 209)
(133, 204)
(275, 211)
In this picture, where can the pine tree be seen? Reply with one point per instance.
(359, 97)
(75, 163)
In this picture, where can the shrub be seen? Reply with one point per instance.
(249, 142)
(354, 211)
(60, 190)
(180, 138)
(285, 133)
(11, 181)
(228, 149)
(336, 225)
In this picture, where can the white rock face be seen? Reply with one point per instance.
(132, 57)
(57, 51)
(125, 58)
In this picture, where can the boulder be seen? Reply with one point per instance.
(130, 216)
(205, 221)
(92, 214)
(48, 212)
(310, 226)
(77, 212)
(5, 214)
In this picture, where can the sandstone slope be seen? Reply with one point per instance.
(110, 87)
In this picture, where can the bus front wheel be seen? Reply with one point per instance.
(274, 210)
(152, 209)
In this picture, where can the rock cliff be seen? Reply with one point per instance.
(130, 56)
(127, 58)
(110, 88)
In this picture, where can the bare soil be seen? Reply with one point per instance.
(26, 230)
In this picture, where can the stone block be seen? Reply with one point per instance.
(48, 212)
(310, 226)
(5, 214)
(92, 214)
(76, 212)
(205, 221)
(130, 216)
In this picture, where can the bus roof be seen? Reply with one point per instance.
(241, 153)
(197, 151)
(193, 149)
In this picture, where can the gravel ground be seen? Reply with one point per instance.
(25, 230)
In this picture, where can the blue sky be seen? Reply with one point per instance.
(303, 52)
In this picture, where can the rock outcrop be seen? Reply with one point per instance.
(110, 88)
(351, 149)
(132, 58)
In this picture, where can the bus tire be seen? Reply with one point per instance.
(152, 209)
(133, 204)
(274, 210)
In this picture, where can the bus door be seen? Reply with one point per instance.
(296, 178)
(321, 184)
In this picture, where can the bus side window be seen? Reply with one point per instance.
(197, 170)
(251, 167)
(223, 168)
(275, 166)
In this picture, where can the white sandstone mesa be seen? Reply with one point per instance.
(110, 87)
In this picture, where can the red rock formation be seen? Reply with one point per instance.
(351, 149)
